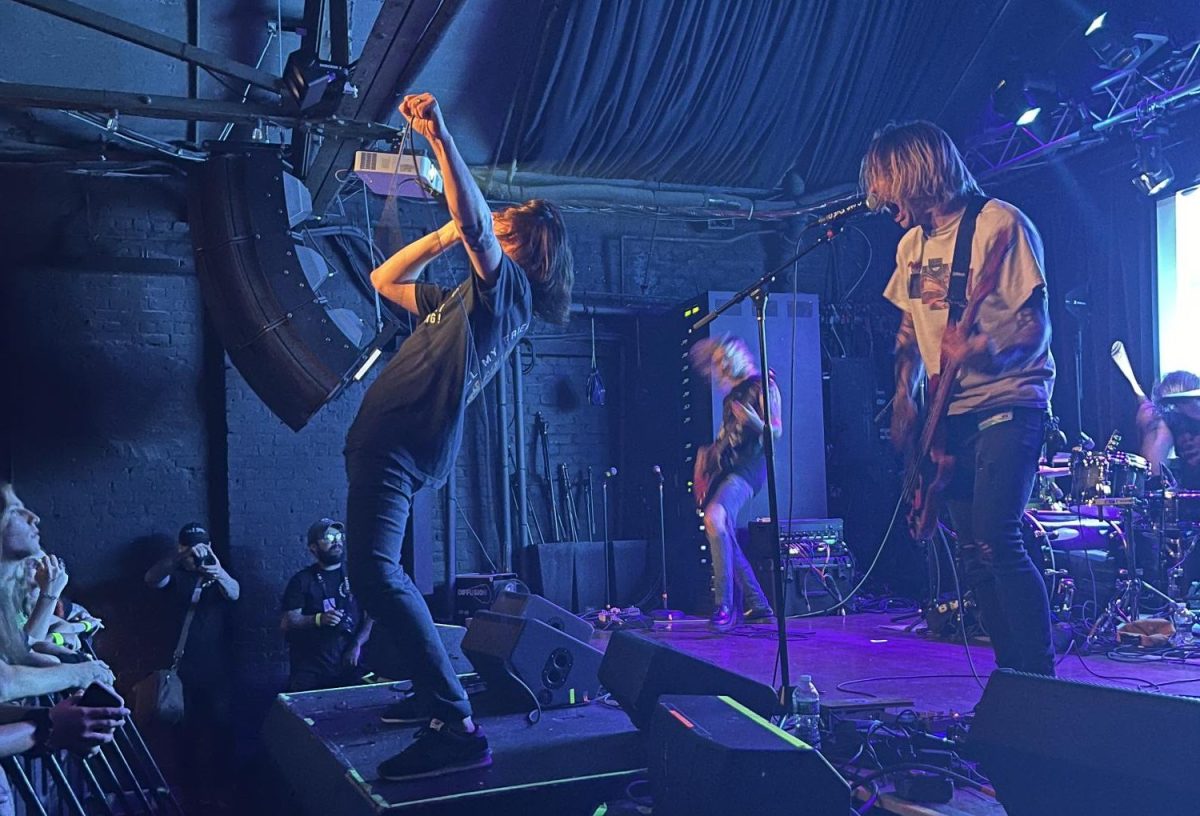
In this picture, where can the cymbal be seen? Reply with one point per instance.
(1181, 395)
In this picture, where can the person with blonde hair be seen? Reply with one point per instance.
(731, 471)
(410, 426)
(999, 401)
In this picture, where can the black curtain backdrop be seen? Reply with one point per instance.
(1099, 234)
(709, 90)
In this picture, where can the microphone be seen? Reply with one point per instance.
(658, 472)
(870, 202)
(610, 473)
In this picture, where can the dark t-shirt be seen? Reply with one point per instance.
(202, 656)
(318, 651)
(743, 454)
(414, 410)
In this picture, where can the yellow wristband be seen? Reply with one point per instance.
(318, 620)
(87, 626)
(57, 639)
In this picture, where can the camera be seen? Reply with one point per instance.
(208, 560)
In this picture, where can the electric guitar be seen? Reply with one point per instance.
(930, 467)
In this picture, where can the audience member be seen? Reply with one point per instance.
(196, 582)
(322, 620)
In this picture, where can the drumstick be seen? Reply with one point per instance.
(1122, 360)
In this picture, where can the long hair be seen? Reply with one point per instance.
(534, 235)
(725, 352)
(14, 592)
(909, 161)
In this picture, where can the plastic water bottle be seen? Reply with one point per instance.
(806, 705)
(1183, 620)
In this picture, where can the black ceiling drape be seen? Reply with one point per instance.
(737, 93)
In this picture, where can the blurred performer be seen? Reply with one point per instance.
(730, 471)
(1167, 425)
(409, 428)
(997, 412)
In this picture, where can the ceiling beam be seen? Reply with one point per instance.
(158, 106)
(404, 32)
(153, 40)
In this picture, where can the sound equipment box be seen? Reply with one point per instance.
(818, 567)
(637, 670)
(476, 591)
(528, 605)
(518, 657)
(1079, 749)
(712, 755)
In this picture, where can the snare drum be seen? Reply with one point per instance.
(1097, 475)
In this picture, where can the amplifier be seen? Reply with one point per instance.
(474, 591)
(818, 567)
(810, 541)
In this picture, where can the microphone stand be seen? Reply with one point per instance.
(608, 474)
(757, 292)
(666, 613)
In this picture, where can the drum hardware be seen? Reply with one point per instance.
(1125, 605)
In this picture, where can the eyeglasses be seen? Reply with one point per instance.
(334, 537)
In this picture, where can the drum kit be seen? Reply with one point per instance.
(1113, 506)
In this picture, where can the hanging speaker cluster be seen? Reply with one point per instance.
(263, 289)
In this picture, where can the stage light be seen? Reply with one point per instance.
(1017, 100)
(315, 86)
(1152, 172)
(1115, 50)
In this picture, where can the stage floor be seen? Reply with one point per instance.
(866, 654)
(330, 742)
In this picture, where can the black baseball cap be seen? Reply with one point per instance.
(192, 534)
(318, 529)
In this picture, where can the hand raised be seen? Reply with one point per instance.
(424, 115)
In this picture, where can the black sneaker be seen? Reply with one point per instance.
(723, 619)
(438, 750)
(408, 711)
(759, 614)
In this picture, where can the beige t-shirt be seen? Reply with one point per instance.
(920, 286)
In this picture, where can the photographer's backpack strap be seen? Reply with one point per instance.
(187, 623)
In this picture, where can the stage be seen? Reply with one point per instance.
(574, 759)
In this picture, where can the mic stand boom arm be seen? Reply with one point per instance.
(757, 292)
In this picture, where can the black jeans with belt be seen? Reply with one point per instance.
(997, 454)
(377, 509)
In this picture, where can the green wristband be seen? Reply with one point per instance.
(318, 620)
(57, 639)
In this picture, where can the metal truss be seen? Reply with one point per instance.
(1136, 96)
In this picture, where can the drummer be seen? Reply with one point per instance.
(1167, 423)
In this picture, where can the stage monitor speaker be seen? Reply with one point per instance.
(712, 755)
(519, 656)
(638, 670)
(528, 605)
(279, 332)
(1079, 749)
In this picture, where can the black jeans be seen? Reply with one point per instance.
(997, 453)
(377, 510)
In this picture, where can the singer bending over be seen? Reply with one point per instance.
(730, 471)
(409, 428)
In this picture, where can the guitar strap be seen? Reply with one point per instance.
(960, 268)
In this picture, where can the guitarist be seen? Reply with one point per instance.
(999, 399)
(730, 471)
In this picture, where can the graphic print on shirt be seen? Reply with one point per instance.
(929, 283)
